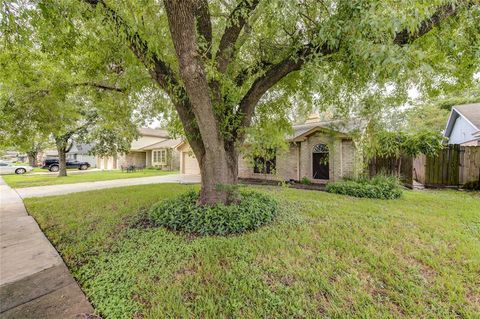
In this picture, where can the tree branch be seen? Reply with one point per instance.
(295, 61)
(160, 71)
(204, 27)
(102, 86)
(405, 36)
(277, 72)
(235, 23)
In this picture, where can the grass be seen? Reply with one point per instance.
(326, 255)
(28, 180)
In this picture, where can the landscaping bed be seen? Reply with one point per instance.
(292, 184)
(325, 255)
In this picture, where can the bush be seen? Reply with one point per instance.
(382, 187)
(305, 181)
(183, 214)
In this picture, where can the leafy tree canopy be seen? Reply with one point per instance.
(220, 62)
(58, 82)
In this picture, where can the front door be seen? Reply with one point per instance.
(320, 162)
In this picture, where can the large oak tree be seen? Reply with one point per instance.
(218, 60)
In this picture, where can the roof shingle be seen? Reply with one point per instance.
(471, 112)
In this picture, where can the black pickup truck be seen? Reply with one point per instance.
(53, 165)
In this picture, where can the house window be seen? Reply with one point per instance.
(159, 157)
(264, 166)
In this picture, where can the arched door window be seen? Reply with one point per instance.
(320, 167)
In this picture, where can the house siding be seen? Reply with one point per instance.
(462, 132)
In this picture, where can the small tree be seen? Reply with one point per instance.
(47, 91)
(25, 140)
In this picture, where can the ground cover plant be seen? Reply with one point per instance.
(325, 255)
(381, 187)
(29, 180)
(182, 213)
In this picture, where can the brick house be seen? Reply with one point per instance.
(320, 151)
(153, 148)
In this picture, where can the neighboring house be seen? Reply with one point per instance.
(14, 156)
(81, 152)
(463, 125)
(48, 153)
(153, 148)
(318, 150)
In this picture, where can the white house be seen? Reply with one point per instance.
(463, 125)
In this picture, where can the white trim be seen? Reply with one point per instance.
(448, 122)
(161, 158)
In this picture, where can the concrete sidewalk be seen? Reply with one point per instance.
(40, 191)
(34, 281)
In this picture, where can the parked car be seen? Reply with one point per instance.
(52, 164)
(9, 168)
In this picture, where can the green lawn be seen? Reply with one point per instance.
(326, 255)
(28, 180)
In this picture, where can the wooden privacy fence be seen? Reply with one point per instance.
(402, 166)
(454, 166)
(442, 170)
(469, 164)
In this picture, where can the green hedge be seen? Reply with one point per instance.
(381, 187)
(183, 214)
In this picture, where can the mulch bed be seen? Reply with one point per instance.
(255, 181)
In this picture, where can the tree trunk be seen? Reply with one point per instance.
(219, 172)
(217, 158)
(62, 161)
(32, 158)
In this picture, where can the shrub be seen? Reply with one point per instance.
(183, 214)
(305, 181)
(382, 187)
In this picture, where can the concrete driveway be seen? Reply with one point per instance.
(51, 190)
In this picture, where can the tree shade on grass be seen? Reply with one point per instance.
(326, 255)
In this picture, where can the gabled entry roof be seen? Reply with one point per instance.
(170, 143)
(301, 131)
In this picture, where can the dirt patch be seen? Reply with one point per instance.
(323, 301)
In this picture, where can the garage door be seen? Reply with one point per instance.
(190, 165)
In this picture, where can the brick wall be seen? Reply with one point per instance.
(348, 159)
(342, 161)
